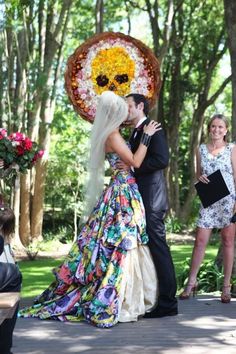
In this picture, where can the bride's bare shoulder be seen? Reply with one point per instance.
(114, 135)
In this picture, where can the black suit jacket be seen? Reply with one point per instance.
(150, 176)
(10, 275)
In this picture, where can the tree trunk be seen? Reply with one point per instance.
(99, 16)
(24, 227)
(38, 198)
(50, 44)
(230, 20)
(174, 111)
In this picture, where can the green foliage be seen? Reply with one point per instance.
(66, 172)
(197, 27)
(65, 233)
(37, 275)
(173, 224)
(33, 248)
(210, 277)
(181, 254)
(196, 43)
(7, 151)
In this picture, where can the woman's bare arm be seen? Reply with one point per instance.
(117, 144)
(234, 162)
(199, 175)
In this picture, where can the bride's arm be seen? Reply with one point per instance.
(118, 145)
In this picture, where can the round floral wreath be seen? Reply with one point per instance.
(110, 61)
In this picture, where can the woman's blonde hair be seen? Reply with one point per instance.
(224, 119)
(111, 112)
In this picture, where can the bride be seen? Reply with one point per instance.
(108, 275)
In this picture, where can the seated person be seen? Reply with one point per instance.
(10, 276)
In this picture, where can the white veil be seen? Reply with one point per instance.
(112, 110)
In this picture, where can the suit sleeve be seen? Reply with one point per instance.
(157, 157)
(1, 245)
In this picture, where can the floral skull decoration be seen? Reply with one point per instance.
(110, 61)
(103, 75)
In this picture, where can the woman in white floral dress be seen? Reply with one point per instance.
(216, 154)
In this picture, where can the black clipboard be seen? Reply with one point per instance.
(216, 189)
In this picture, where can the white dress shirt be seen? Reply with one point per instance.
(139, 123)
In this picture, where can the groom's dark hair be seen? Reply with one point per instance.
(138, 98)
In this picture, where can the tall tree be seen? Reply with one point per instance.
(189, 42)
(34, 35)
(230, 20)
(99, 16)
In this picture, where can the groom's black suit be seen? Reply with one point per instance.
(152, 186)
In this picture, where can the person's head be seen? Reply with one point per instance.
(7, 221)
(112, 111)
(138, 106)
(217, 127)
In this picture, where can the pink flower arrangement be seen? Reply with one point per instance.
(17, 153)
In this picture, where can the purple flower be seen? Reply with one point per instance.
(106, 295)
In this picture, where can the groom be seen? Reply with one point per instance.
(151, 182)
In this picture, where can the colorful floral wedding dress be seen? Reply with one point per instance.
(108, 275)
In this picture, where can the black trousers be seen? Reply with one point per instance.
(6, 333)
(10, 281)
(162, 260)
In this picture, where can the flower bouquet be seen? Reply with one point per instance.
(17, 153)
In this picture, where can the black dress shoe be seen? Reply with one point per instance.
(158, 314)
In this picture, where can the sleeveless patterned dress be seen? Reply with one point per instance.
(108, 275)
(218, 215)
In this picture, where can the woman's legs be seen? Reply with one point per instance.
(201, 241)
(227, 235)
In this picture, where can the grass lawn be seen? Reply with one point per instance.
(181, 252)
(37, 274)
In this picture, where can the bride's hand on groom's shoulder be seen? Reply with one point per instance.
(152, 127)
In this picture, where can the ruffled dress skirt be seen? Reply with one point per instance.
(108, 275)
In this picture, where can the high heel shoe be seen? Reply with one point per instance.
(190, 289)
(226, 295)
